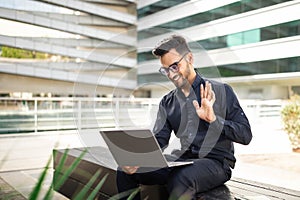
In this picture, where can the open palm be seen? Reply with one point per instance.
(206, 111)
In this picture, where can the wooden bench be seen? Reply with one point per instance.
(100, 158)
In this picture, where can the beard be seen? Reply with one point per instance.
(179, 81)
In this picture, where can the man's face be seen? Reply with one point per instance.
(180, 77)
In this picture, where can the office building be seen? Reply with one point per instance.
(68, 48)
(252, 45)
(103, 47)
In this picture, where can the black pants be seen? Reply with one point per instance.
(182, 182)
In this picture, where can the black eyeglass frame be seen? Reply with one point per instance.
(173, 67)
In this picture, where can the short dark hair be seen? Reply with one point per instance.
(176, 42)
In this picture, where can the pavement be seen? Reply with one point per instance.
(267, 159)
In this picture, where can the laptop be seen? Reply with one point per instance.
(137, 148)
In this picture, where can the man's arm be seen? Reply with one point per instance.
(162, 129)
(235, 126)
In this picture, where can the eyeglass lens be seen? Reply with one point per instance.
(173, 67)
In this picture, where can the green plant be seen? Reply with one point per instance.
(291, 120)
(59, 181)
(10, 52)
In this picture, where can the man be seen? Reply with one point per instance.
(207, 118)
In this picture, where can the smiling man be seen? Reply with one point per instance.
(207, 118)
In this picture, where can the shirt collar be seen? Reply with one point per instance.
(197, 81)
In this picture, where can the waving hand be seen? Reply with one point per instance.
(206, 111)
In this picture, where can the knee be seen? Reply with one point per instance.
(181, 178)
(181, 185)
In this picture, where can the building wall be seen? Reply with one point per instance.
(251, 45)
(50, 46)
(11, 83)
(265, 92)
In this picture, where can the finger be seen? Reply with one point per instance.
(196, 104)
(125, 168)
(209, 91)
(128, 169)
(134, 169)
(213, 99)
(201, 91)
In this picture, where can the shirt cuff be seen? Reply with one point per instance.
(218, 124)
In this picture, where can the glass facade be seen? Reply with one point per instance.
(277, 31)
(240, 69)
(158, 6)
(253, 68)
(200, 18)
(252, 36)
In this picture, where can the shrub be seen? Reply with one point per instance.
(10, 52)
(291, 120)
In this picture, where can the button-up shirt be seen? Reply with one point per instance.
(197, 137)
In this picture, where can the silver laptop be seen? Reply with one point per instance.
(137, 148)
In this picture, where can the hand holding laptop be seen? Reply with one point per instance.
(130, 169)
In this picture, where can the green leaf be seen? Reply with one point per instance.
(85, 189)
(76, 162)
(34, 194)
(60, 166)
(131, 194)
(95, 191)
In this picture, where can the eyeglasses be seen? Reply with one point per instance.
(173, 67)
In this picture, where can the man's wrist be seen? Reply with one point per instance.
(217, 125)
(213, 118)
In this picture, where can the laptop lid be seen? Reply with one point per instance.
(134, 148)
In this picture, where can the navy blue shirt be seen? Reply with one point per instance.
(199, 138)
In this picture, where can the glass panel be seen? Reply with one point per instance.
(235, 39)
(151, 78)
(262, 67)
(239, 69)
(158, 6)
(252, 36)
(228, 10)
(145, 56)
